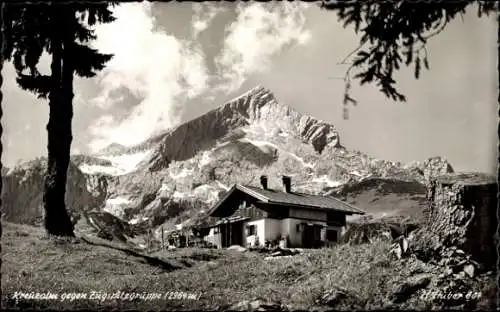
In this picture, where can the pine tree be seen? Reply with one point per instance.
(64, 31)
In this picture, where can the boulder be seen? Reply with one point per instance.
(212, 264)
(469, 270)
(257, 304)
(237, 248)
(279, 252)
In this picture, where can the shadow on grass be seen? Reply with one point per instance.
(166, 266)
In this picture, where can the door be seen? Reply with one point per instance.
(231, 234)
(311, 236)
(237, 234)
(224, 235)
(307, 236)
(317, 236)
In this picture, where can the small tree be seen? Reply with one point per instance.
(63, 31)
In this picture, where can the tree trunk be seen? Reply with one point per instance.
(464, 214)
(1, 110)
(57, 220)
(498, 164)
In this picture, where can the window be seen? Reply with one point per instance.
(297, 228)
(331, 235)
(251, 230)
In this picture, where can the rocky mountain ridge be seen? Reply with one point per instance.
(177, 175)
(253, 108)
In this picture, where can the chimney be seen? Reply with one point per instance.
(287, 182)
(263, 182)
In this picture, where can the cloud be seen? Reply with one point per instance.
(166, 72)
(259, 33)
(204, 14)
(154, 66)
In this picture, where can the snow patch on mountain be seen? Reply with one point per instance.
(219, 183)
(261, 128)
(206, 193)
(116, 206)
(262, 143)
(259, 143)
(205, 158)
(120, 164)
(356, 173)
(95, 169)
(180, 195)
(185, 172)
(164, 187)
(302, 161)
(327, 181)
(137, 219)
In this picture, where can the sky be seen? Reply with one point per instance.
(175, 61)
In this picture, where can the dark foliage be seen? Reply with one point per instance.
(393, 34)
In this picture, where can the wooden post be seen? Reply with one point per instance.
(162, 239)
(150, 240)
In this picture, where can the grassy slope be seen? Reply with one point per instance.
(222, 277)
(389, 197)
(32, 263)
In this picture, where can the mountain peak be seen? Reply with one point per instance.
(253, 91)
(112, 148)
(250, 102)
(255, 109)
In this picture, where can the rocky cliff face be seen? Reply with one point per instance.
(179, 174)
(22, 192)
(258, 107)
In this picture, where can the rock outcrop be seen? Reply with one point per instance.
(257, 304)
(435, 166)
(22, 192)
(462, 215)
